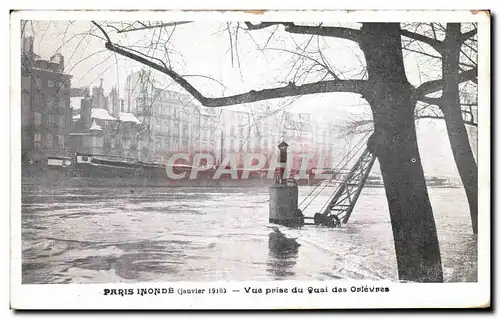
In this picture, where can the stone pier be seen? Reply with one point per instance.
(283, 205)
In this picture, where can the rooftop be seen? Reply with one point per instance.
(129, 117)
(100, 114)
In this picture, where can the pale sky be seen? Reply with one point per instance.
(203, 48)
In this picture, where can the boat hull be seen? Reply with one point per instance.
(79, 177)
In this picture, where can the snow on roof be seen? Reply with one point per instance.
(102, 114)
(76, 102)
(95, 126)
(129, 117)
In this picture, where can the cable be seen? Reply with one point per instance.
(335, 168)
(324, 187)
(356, 150)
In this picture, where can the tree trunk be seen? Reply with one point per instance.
(395, 144)
(457, 133)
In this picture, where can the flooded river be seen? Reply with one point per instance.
(102, 235)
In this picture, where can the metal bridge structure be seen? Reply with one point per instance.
(340, 205)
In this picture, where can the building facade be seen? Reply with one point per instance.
(173, 122)
(45, 106)
(101, 128)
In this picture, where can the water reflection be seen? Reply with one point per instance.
(283, 253)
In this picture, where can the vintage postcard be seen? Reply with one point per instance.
(250, 160)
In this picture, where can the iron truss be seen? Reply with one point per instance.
(341, 204)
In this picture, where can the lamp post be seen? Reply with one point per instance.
(283, 146)
(283, 196)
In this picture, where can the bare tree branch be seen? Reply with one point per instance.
(262, 25)
(102, 30)
(438, 117)
(436, 44)
(354, 86)
(436, 85)
(465, 36)
(337, 32)
(160, 25)
(431, 100)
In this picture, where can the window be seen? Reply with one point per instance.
(61, 142)
(62, 121)
(26, 99)
(48, 139)
(52, 102)
(37, 140)
(158, 142)
(50, 83)
(175, 146)
(52, 119)
(38, 100)
(37, 118)
(176, 130)
(126, 144)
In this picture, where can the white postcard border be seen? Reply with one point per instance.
(400, 295)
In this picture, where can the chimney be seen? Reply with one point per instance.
(115, 103)
(59, 59)
(86, 113)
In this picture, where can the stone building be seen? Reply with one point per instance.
(45, 105)
(101, 128)
(173, 122)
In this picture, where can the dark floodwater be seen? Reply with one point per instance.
(99, 235)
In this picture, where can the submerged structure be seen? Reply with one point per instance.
(284, 206)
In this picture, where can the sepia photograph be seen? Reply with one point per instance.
(334, 156)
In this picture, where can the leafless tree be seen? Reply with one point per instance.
(456, 103)
(392, 100)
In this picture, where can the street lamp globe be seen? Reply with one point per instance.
(283, 146)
